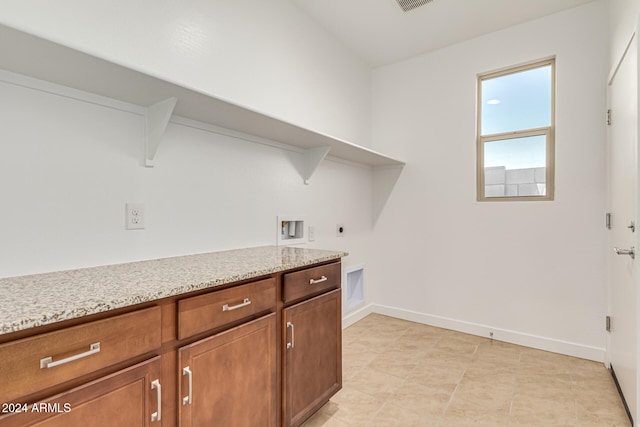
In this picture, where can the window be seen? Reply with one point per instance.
(516, 110)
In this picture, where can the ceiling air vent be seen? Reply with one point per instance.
(408, 5)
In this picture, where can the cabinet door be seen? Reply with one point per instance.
(229, 379)
(130, 397)
(312, 355)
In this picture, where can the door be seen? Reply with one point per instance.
(623, 199)
(312, 355)
(229, 379)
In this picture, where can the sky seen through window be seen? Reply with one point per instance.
(515, 102)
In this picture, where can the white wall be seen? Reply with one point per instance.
(622, 23)
(532, 272)
(67, 168)
(266, 55)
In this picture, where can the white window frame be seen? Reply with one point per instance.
(548, 132)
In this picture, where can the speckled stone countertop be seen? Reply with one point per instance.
(41, 299)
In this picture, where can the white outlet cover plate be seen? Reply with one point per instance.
(134, 216)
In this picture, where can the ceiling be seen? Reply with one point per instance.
(380, 32)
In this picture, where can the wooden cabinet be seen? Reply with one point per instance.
(312, 355)
(252, 354)
(229, 379)
(129, 397)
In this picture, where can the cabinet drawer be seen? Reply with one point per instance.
(312, 281)
(218, 308)
(42, 361)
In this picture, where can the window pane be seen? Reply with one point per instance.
(516, 101)
(515, 167)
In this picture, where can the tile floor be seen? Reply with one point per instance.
(399, 373)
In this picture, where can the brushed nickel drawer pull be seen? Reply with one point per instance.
(320, 280)
(187, 399)
(244, 303)
(155, 385)
(293, 336)
(48, 362)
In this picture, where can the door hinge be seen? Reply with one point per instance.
(608, 323)
(608, 220)
(609, 117)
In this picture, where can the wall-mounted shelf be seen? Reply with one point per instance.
(42, 59)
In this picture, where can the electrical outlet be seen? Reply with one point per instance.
(135, 216)
(340, 230)
(312, 233)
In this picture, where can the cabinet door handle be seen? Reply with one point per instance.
(293, 335)
(320, 280)
(244, 303)
(47, 362)
(155, 385)
(187, 399)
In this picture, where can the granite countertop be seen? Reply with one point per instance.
(41, 299)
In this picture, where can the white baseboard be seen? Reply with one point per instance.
(359, 314)
(514, 337)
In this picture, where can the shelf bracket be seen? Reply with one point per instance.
(384, 180)
(156, 120)
(312, 158)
